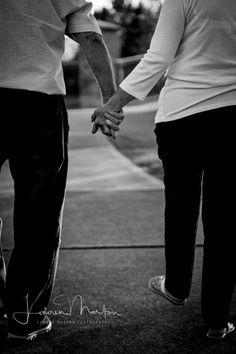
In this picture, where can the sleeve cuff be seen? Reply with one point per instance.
(82, 20)
(86, 27)
(130, 91)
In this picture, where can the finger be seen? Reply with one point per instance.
(112, 125)
(93, 117)
(95, 128)
(113, 119)
(106, 130)
(118, 115)
(113, 134)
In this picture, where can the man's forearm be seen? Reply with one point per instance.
(99, 60)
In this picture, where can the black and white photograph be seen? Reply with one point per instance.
(117, 176)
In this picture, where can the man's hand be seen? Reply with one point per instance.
(107, 120)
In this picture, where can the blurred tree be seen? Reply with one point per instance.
(118, 4)
(138, 23)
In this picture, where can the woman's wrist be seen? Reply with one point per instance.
(119, 100)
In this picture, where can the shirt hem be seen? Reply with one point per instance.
(47, 92)
(166, 118)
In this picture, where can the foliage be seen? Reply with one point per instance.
(138, 23)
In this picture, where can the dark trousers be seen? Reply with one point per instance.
(33, 137)
(198, 156)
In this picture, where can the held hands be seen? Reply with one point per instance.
(108, 121)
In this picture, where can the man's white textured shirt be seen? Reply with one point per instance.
(32, 41)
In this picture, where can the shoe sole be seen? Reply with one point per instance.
(31, 336)
(165, 296)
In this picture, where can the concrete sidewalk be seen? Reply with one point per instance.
(94, 163)
(112, 243)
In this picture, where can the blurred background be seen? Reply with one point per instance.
(127, 27)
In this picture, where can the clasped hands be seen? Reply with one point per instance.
(107, 120)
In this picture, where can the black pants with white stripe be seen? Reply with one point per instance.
(198, 156)
(33, 138)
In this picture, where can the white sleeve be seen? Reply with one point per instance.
(160, 55)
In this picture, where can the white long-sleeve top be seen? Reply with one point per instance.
(194, 45)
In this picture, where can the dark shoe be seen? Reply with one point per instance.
(30, 331)
(157, 285)
(220, 333)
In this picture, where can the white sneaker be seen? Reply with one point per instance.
(157, 285)
(220, 333)
(32, 332)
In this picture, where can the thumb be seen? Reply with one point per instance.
(93, 117)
